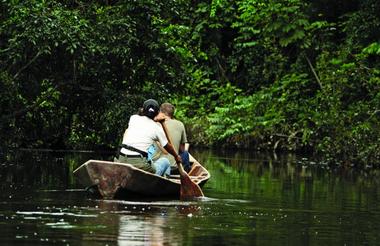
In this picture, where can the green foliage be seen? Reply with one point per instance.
(328, 104)
(270, 115)
(273, 74)
(102, 60)
(262, 22)
(372, 49)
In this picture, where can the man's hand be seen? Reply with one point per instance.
(178, 159)
(160, 117)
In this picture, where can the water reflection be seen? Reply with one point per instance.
(150, 222)
(252, 199)
(42, 169)
(146, 231)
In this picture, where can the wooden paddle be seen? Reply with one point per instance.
(189, 189)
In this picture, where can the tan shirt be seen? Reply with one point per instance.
(178, 136)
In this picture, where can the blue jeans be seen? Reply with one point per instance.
(162, 166)
(185, 160)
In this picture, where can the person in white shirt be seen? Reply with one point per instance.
(138, 141)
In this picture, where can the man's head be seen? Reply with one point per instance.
(168, 109)
(150, 108)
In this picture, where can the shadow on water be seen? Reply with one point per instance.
(251, 199)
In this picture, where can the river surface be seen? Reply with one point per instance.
(251, 199)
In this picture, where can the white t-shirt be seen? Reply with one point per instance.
(141, 133)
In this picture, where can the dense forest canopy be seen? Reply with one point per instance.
(295, 75)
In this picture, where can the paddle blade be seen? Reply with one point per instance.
(189, 189)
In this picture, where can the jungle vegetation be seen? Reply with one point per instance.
(277, 75)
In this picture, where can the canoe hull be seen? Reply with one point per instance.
(118, 180)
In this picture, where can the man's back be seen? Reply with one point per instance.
(177, 134)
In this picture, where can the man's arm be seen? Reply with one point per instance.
(184, 145)
(169, 148)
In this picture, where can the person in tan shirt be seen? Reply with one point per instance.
(178, 137)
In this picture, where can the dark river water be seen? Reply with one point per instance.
(251, 199)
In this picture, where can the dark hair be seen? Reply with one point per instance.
(140, 111)
(150, 108)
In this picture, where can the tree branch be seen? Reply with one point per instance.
(27, 108)
(28, 64)
(314, 73)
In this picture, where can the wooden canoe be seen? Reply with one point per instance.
(113, 180)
